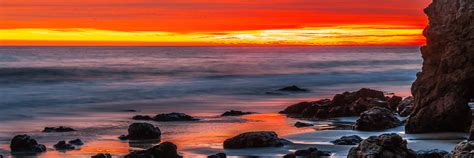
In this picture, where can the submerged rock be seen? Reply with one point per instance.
(76, 142)
(377, 118)
(254, 140)
(163, 150)
(309, 153)
(102, 155)
(293, 89)
(142, 131)
(463, 150)
(174, 117)
(302, 124)
(235, 113)
(348, 140)
(444, 87)
(385, 145)
(218, 155)
(431, 154)
(25, 144)
(62, 145)
(142, 117)
(58, 129)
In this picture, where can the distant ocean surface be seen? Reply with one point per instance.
(43, 81)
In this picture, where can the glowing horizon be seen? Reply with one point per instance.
(204, 22)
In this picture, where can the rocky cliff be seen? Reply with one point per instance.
(446, 84)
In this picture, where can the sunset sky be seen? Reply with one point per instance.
(211, 22)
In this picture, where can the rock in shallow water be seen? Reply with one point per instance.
(58, 129)
(142, 131)
(102, 155)
(443, 89)
(293, 89)
(308, 153)
(25, 144)
(302, 124)
(76, 142)
(62, 145)
(385, 145)
(377, 118)
(218, 155)
(254, 140)
(235, 113)
(348, 140)
(163, 150)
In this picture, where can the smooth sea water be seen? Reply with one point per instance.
(92, 88)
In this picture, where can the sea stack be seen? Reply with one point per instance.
(446, 84)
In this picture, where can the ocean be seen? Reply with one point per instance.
(92, 88)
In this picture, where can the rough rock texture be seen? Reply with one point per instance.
(405, 108)
(254, 140)
(142, 131)
(445, 85)
(308, 153)
(235, 113)
(102, 155)
(342, 105)
(393, 102)
(26, 144)
(163, 150)
(431, 154)
(348, 140)
(385, 145)
(463, 150)
(377, 118)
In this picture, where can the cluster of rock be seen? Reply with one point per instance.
(26, 144)
(444, 87)
(166, 117)
(254, 140)
(310, 153)
(344, 105)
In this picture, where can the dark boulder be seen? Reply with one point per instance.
(293, 89)
(235, 113)
(347, 98)
(174, 117)
(306, 109)
(76, 142)
(385, 145)
(463, 150)
(26, 144)
(348, 140)
(102, 155)
(444, 87)
(142, 131)
(58, 129)
(163, 150)
(393, 102)
(218, 155)
(62, 145)
(406, 106)
(309, 153)
(364, 104)
(376, 119)
(254, 140)
(302, 124)
(431, 154)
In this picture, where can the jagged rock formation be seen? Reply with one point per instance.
(445, 85)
